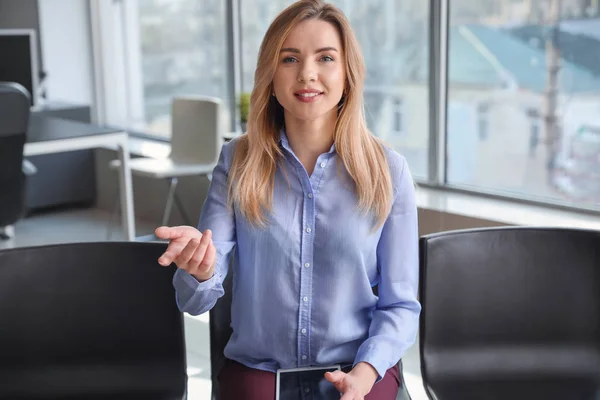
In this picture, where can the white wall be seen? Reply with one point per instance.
(67, 50)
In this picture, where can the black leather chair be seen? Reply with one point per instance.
(90, 321)
(220, 332)
(511, 313)
(14, 119)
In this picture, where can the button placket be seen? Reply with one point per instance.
(307, 242)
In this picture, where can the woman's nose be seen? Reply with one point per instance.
(307, 73)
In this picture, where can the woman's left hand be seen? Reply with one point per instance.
(356, 384)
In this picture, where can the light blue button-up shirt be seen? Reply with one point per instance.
(302, 290)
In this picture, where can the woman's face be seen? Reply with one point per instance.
(310, 76)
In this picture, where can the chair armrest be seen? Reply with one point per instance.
(28, 168)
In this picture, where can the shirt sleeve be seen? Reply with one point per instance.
(196, 297)
(396, 317)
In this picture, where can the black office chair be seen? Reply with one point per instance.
(90, 321)
(220, 332)
(511, 313)
(14, 119)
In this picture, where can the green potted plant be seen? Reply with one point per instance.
(244, 105)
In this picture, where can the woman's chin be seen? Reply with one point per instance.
(311, 115)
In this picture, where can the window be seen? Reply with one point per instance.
(520, 116)
(393, 35)
(397, 117)
(535, 129)
(483, 121)
(183, 52)
(158, 49)
(515, 56)
(256, 15)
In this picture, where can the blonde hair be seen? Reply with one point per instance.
(252, 174)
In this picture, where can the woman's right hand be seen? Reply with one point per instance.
(189, 249)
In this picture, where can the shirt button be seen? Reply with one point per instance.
(305, 299)
(308, 230)
(304, 331)
(304, 357)
(322, 165)
(307, 265)
(310, 195)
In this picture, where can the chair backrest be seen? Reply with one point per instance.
(14, 119)
(90, 320)
(511, 313)
(14, 108)
(196, 131)
(220, 329)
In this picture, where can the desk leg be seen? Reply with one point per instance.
(126, 192)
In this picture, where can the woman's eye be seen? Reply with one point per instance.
(327, 58)
(289, 60)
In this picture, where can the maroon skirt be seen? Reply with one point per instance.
(238, 382)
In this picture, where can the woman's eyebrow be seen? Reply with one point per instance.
(290, 50)
(328, 48)
(293, 50)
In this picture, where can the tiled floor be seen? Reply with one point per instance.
(80, 225)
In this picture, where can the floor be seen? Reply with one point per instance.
(86, 225)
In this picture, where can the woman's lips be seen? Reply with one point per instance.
(308, 97)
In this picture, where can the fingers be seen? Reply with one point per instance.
(173, 250)
(201, 265)
(164, 260)
(198, 256)
(176, 232)
(206, 256)
(164, 232)
(335, 376)
(186, 254)
(195, 255)
(179, 237)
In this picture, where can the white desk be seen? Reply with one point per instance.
(47, 135)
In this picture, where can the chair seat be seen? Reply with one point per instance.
(164, 168)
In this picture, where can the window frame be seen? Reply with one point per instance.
(119, 86)
(118, 66)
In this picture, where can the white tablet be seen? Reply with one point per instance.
(295, 383)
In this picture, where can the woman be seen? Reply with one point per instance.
(318, 211)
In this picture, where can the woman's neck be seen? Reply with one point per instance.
(309, 139)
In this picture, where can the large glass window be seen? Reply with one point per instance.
(524, 98)
(183, 51)
(393, 35)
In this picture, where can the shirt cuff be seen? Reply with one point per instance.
(193, 283)
(371, 355)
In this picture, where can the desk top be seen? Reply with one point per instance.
(43, 129)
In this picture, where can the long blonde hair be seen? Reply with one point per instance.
(252, 174)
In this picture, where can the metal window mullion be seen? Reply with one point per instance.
(438, 67)
(234, 64)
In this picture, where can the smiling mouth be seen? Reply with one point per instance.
(309, 95)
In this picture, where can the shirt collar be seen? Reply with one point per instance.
(283, 140)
